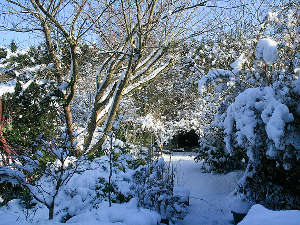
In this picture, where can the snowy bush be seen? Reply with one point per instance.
(258, 108)
(261, 123)
(214, 158)
(43, 173)
(254, 108)
(153, 187)
(33, 112)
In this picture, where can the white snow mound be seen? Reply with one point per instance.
(9, 87)
(259, 215)
(266, 49)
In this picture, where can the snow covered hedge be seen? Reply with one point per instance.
(257, 106)
(264, 123)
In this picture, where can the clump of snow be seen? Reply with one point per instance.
(122, 214)
(213, 76)
(297, 85)
(238, 63)
(272, 16)
(8, 87)
(266, 49)
(253, 106)
(259, 215)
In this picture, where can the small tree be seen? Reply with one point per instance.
(43, 173)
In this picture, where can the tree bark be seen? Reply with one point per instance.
(70, 97)
(114, 107)
(49, 43)
(51, 211)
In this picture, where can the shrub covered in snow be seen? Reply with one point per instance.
(154, 189)
(214, 157)
(32, 108)
(258, 108)
(43, 174)
(259, 123)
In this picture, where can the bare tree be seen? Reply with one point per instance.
(24, 170)
(69, 19)
(136, 37)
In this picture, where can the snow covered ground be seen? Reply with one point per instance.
(211, 198)
(211, 202)
(259, 215)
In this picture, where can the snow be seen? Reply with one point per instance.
(259, 215)
(243, 113)
(81, 198)
(118, 214)
(211, 195)
(63, 87)
(297, 86)
(212, 76)
(146, 78)
(8, 87)
(238, 63)
(211, 200)
(272, 16)
(266, 49)
(121, 214)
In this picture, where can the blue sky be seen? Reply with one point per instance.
(22, 39)
(28, 39)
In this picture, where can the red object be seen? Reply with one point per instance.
(5, 150)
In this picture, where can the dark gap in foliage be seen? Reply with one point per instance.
(186, 140)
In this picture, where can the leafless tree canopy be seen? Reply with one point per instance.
(134, 37)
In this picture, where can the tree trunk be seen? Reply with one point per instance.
(69, 122)
(110, 169)
(114, 107)
(70, 97)
(0, 115)
(52, 52)
(51, 211)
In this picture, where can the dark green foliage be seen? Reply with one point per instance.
(217, 159)
(135, 163)
(272, 185)
(13, 46)
(9, 192)
(3, 53)
(103, 188)
(33, 115)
